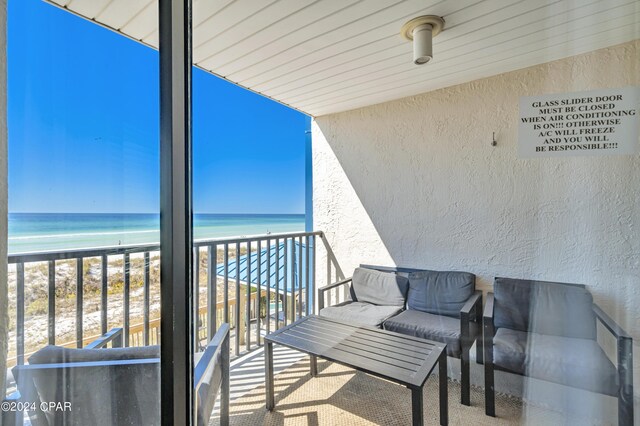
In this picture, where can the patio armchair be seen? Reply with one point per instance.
(443, 306)
(105, 386)
(547, 330)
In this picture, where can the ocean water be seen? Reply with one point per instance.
(29, 232)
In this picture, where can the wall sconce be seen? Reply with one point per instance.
(422, 30)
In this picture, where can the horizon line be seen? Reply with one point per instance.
(195, 213)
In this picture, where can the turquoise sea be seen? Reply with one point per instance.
(29, 232)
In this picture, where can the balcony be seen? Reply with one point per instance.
(414, 167)
(257, 284)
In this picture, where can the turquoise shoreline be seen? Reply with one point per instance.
(29, 232)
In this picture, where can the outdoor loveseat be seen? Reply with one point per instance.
(434, 305)
(547, 330)
(107, 386)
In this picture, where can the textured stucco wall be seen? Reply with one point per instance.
(4, 316)
(415, 182)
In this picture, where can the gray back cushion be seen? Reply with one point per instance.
(56, 354)
(441, 293)
(379, 288)
(544, 307)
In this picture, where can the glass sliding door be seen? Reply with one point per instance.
(84, 216)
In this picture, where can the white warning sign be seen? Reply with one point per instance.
(597, 122)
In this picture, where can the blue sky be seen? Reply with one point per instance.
(83, 127)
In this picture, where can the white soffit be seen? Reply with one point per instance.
(327, 56)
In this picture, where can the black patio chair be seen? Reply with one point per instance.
(97, 385)
(547, 330)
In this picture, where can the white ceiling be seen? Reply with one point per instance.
(326, 56)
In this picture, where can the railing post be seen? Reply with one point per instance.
(79, 300)
(239, 329)
(20, 314)
(147, 285)
(328, 263)
(52, 302)
(284, 280)
(247, 315)
(104, 293)
(268, 286)
(196, 297)
(258, 328)
(277, 283)
(313, 274)
(299, 277)
(307, 271)
(212, 266)
(127, 293)
(294, 268)
(226, 283)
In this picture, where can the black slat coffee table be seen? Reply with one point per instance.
(396, 357)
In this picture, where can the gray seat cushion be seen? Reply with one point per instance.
(579, 363)
(360, 313)
(379, 288)
(428, 326)
(441, 293)
(544, 307)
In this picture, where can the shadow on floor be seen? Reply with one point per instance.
(342, 396)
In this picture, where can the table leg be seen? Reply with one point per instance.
(314, 365)
(444, 391)
(268, 364)
(417, 408)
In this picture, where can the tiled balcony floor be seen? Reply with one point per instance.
(342, 396)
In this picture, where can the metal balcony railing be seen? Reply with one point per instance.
(266, 282)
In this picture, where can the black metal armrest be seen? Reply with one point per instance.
(215, 346)
(470, 319)
(216, 355)
(488, 309)
(114, 335)
(609, 323)
(322, 290)
(471, 307)
(488, 328)
(623, 339)
(333, 285)
(625, 366)
(470, 332)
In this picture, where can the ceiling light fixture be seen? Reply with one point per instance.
(422, 30)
